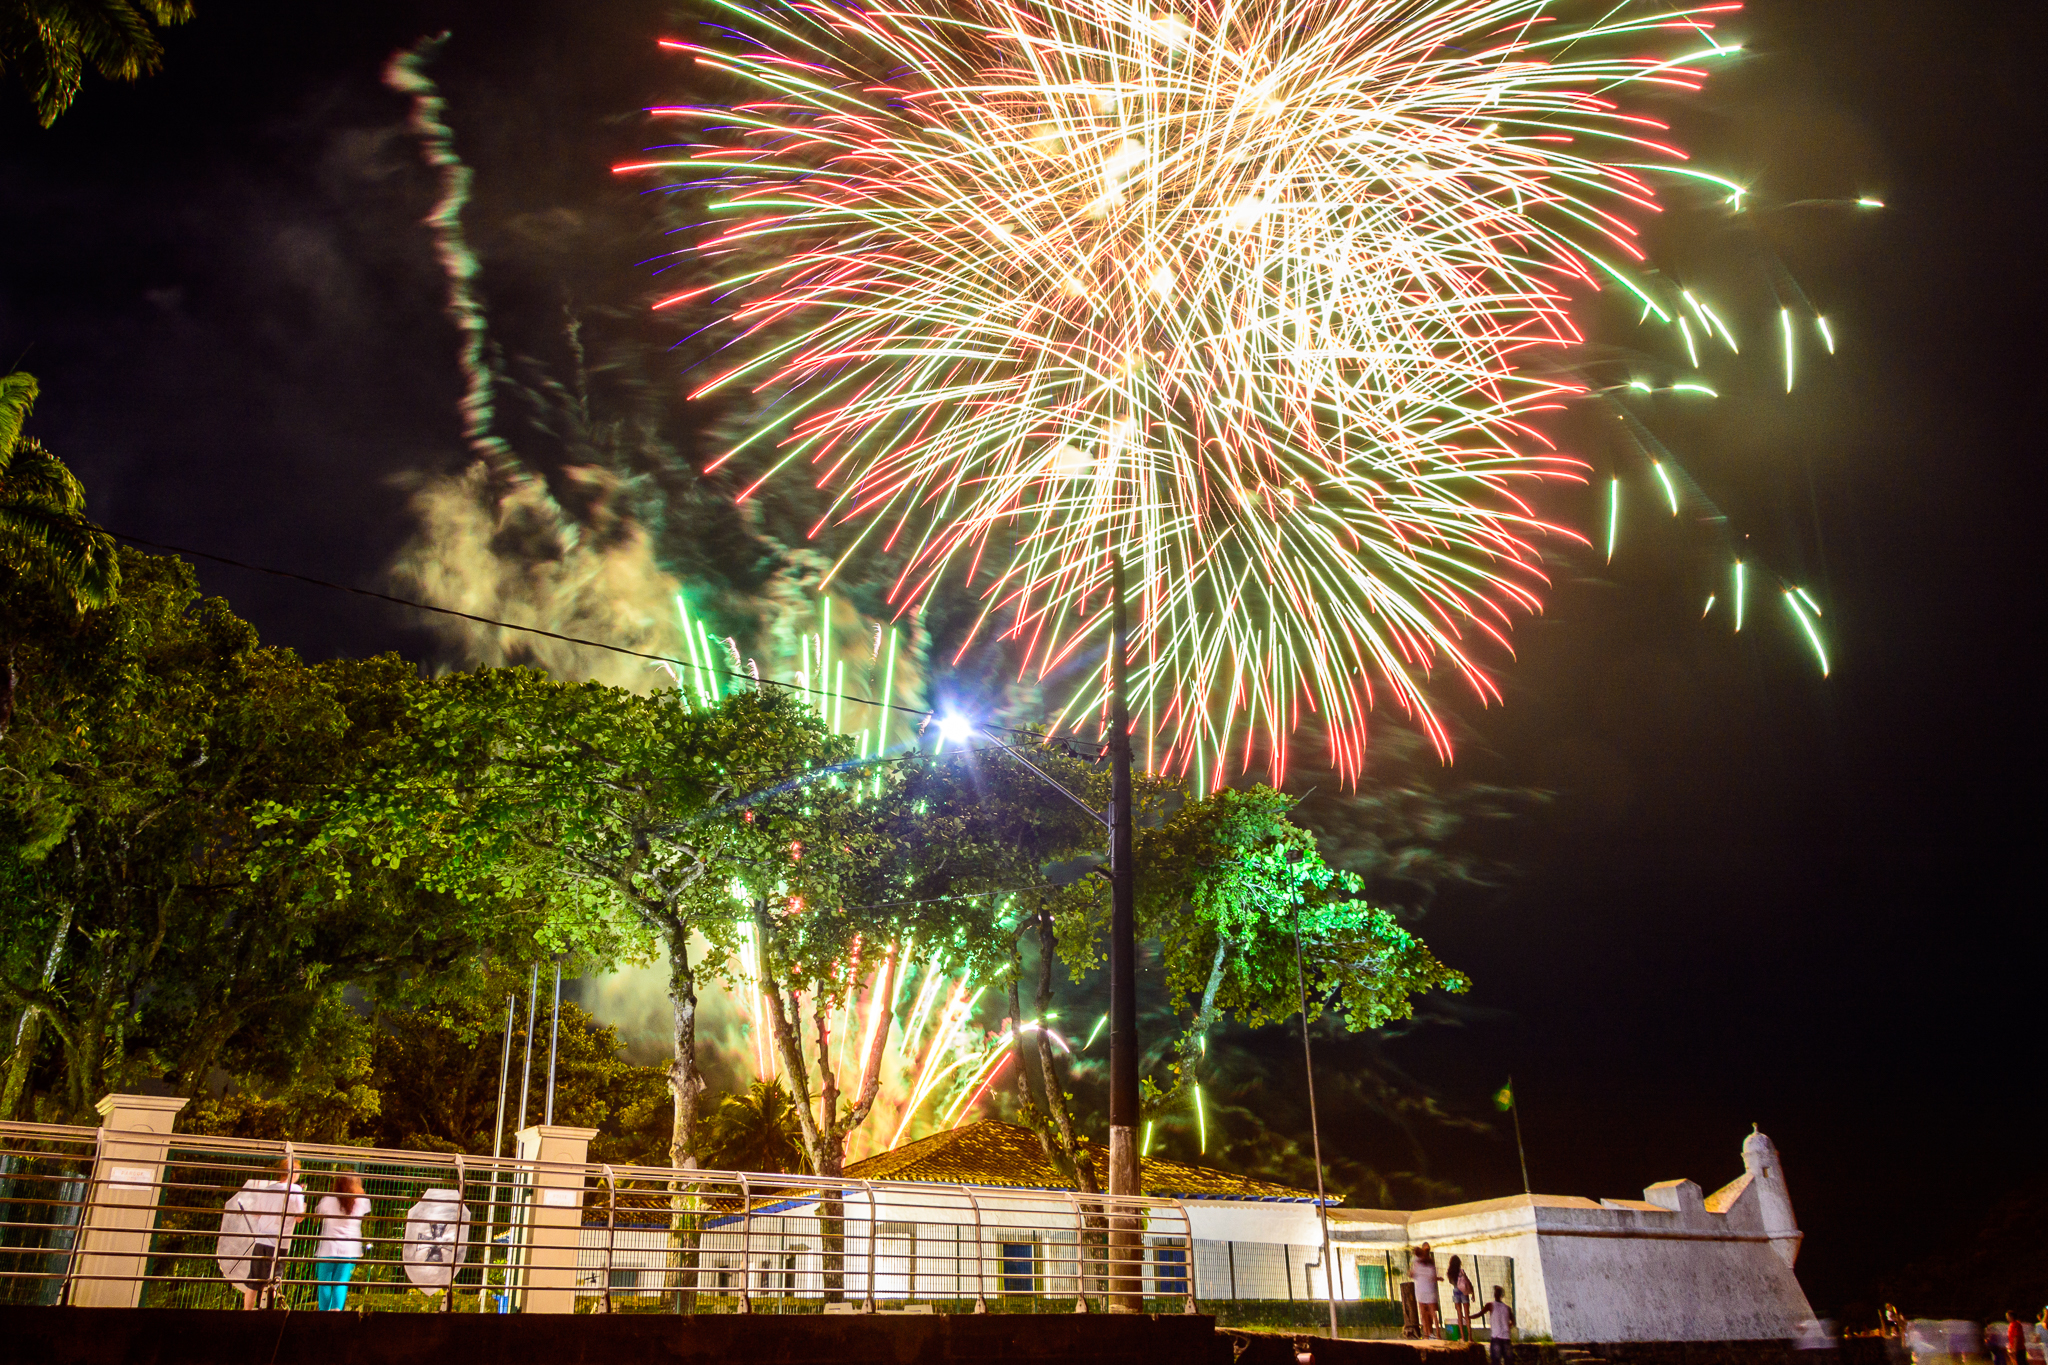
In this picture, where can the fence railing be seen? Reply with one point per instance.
(117, 1217)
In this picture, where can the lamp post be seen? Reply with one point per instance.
(1126, 1238)
(1123, 965)
(1308, 1065)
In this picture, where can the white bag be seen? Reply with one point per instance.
(436, 1239)
(261, 1213)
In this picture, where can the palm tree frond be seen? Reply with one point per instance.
(48, 44)
(17, 397)
(43, 530)
(33, 477)
(68, 553)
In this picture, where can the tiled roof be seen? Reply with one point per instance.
(991, 1153)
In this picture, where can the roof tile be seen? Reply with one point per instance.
(1003, 1154)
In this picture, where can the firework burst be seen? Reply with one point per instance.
(1246, 293)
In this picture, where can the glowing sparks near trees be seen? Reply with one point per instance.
(1263, 296)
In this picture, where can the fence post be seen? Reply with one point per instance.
(120, 1211)
(1080, 1253)
(747, 1245)
(554, 1222)
(874, 1235)
(611, 1230)
(980, 1254)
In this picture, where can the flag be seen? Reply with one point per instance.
(1505, 1098)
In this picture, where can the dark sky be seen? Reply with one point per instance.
(1759, 896)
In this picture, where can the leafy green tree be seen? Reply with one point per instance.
(153, 924)
(926, 859)
(49, 45)
(1223, 883)
(435, 1067)
(328, 1093)
(631, 816)
(1234, 886)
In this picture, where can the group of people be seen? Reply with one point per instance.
(1499, 1315)
(2016, 1341)
(263, 1216)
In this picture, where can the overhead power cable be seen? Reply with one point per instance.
(922, 712)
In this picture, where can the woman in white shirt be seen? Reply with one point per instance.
(341, 1240)
(1422, 1270)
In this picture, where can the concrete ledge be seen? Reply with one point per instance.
(1279, 1348)
(1849, 1351)
(1282, 1348)
(181, 1336)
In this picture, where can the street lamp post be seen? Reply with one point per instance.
(1125, 1269)
(1123, 968)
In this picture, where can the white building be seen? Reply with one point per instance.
(978, 1212)
(1671, 1266)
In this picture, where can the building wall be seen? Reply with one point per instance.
(1662, 1269)
(1672, 1266)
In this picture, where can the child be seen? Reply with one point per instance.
(341, 1240)
(1500, 1330)
(1461, 1296)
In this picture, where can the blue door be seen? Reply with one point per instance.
(1017, 1268)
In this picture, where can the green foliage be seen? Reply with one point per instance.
(49, 45)
(637, 821)
(44, 536)
(755, 1130)
(1233, 876)
(328, 1092)
(1223, 883)
(931, 854)
(152, 923)
(437, 1075)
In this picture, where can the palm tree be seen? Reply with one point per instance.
(44, 536)
(48, 44)
(756, 1130)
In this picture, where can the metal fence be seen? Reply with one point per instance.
(106, 1216)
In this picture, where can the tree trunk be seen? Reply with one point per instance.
(1054, 1124)
(29, 1029)
(831, 1209)
(7, 681)
(1191, 1042)
(685, 1081)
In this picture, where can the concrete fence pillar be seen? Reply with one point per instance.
(552, 1227)
(127, 1180)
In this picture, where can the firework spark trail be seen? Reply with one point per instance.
(1244, 293)
(407, 74)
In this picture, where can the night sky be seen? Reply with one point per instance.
(1759, 896)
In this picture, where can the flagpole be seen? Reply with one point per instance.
(1515, 1108)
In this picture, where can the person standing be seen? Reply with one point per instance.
(1500, 1330)
(256, 1229)
(1422, 1270)
(1461, 1296)
(341, 1240)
